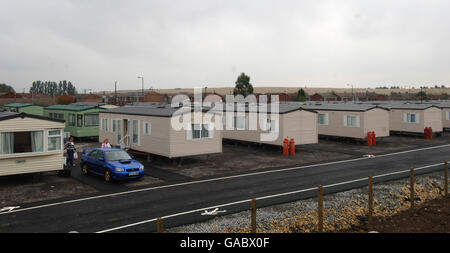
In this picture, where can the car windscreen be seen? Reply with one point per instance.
(117, 155)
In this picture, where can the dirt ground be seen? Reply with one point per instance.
(241, 157)
(19, 189)
(430, 217)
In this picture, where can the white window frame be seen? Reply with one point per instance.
(244, 127)
(114, 125)
(44, 144)
(138, 131)
(357, 120)
(209, 127)
(53, 136)
(407, 118)
(147, 126)
(271, 125)
(105, 125)
(325, 122)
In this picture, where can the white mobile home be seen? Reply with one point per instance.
(288, 121)
(350, 120)
(445, 107)
(30, 143)
(149, 129)
(413, 118)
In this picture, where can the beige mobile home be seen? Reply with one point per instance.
(288, 121)
(350, 120)
(445, 107)
(149, 129)
(30, 143)
(413, 118)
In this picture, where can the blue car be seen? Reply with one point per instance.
(111, 163)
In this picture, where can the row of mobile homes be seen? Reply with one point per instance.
(161, 130)
(350, 120)
(413, 118)
(81, 120)
(25, 108)
(248, 124)
(30, 143)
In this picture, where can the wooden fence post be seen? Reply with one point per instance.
(370, 202)
(446, 179)
(411, 187)
(253, 215)
(320, 210)
(159, 225)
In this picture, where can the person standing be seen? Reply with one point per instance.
(70, 147)
(106, 144)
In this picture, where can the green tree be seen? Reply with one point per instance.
(243, 86)
(301, 95)
(51, 88)
(6, 88)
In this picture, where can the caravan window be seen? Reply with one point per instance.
(79, 120)
(351, 121)
(91, 120)
(21, 142)
(54, 140)
(71, 119)
(323, 119)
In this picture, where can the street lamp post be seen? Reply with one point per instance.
(353, 94)
(141, 77)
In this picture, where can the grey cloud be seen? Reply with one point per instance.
(204, 42)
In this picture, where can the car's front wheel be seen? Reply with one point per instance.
(84, 169)
(107, 175)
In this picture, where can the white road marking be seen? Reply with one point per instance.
(213, 212)
(8, 208)
(220, 178)
(260, 198)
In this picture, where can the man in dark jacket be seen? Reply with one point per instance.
(70, 147)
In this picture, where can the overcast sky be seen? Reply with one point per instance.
(191, 43)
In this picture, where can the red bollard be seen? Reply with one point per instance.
(286, 147)
(427, 133)
(430, 136)
(369, 138)
(374, 140)
(292, 146)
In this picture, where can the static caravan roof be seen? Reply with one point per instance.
(18, 105)
(282, 108)
(342, 107)
(408, 106)
(70, 107)
(163, 110)
(5, 115)
(443, 105)
(88, 104)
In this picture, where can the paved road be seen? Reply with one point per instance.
(116, 211)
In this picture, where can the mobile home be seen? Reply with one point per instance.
(445, 107)
(149, 129)
(290, 120)
(81, 120)
(25, 108)
(413, 118)
(350, 120)
(30, 143)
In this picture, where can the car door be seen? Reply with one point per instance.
(90, 159)
(100, 162)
